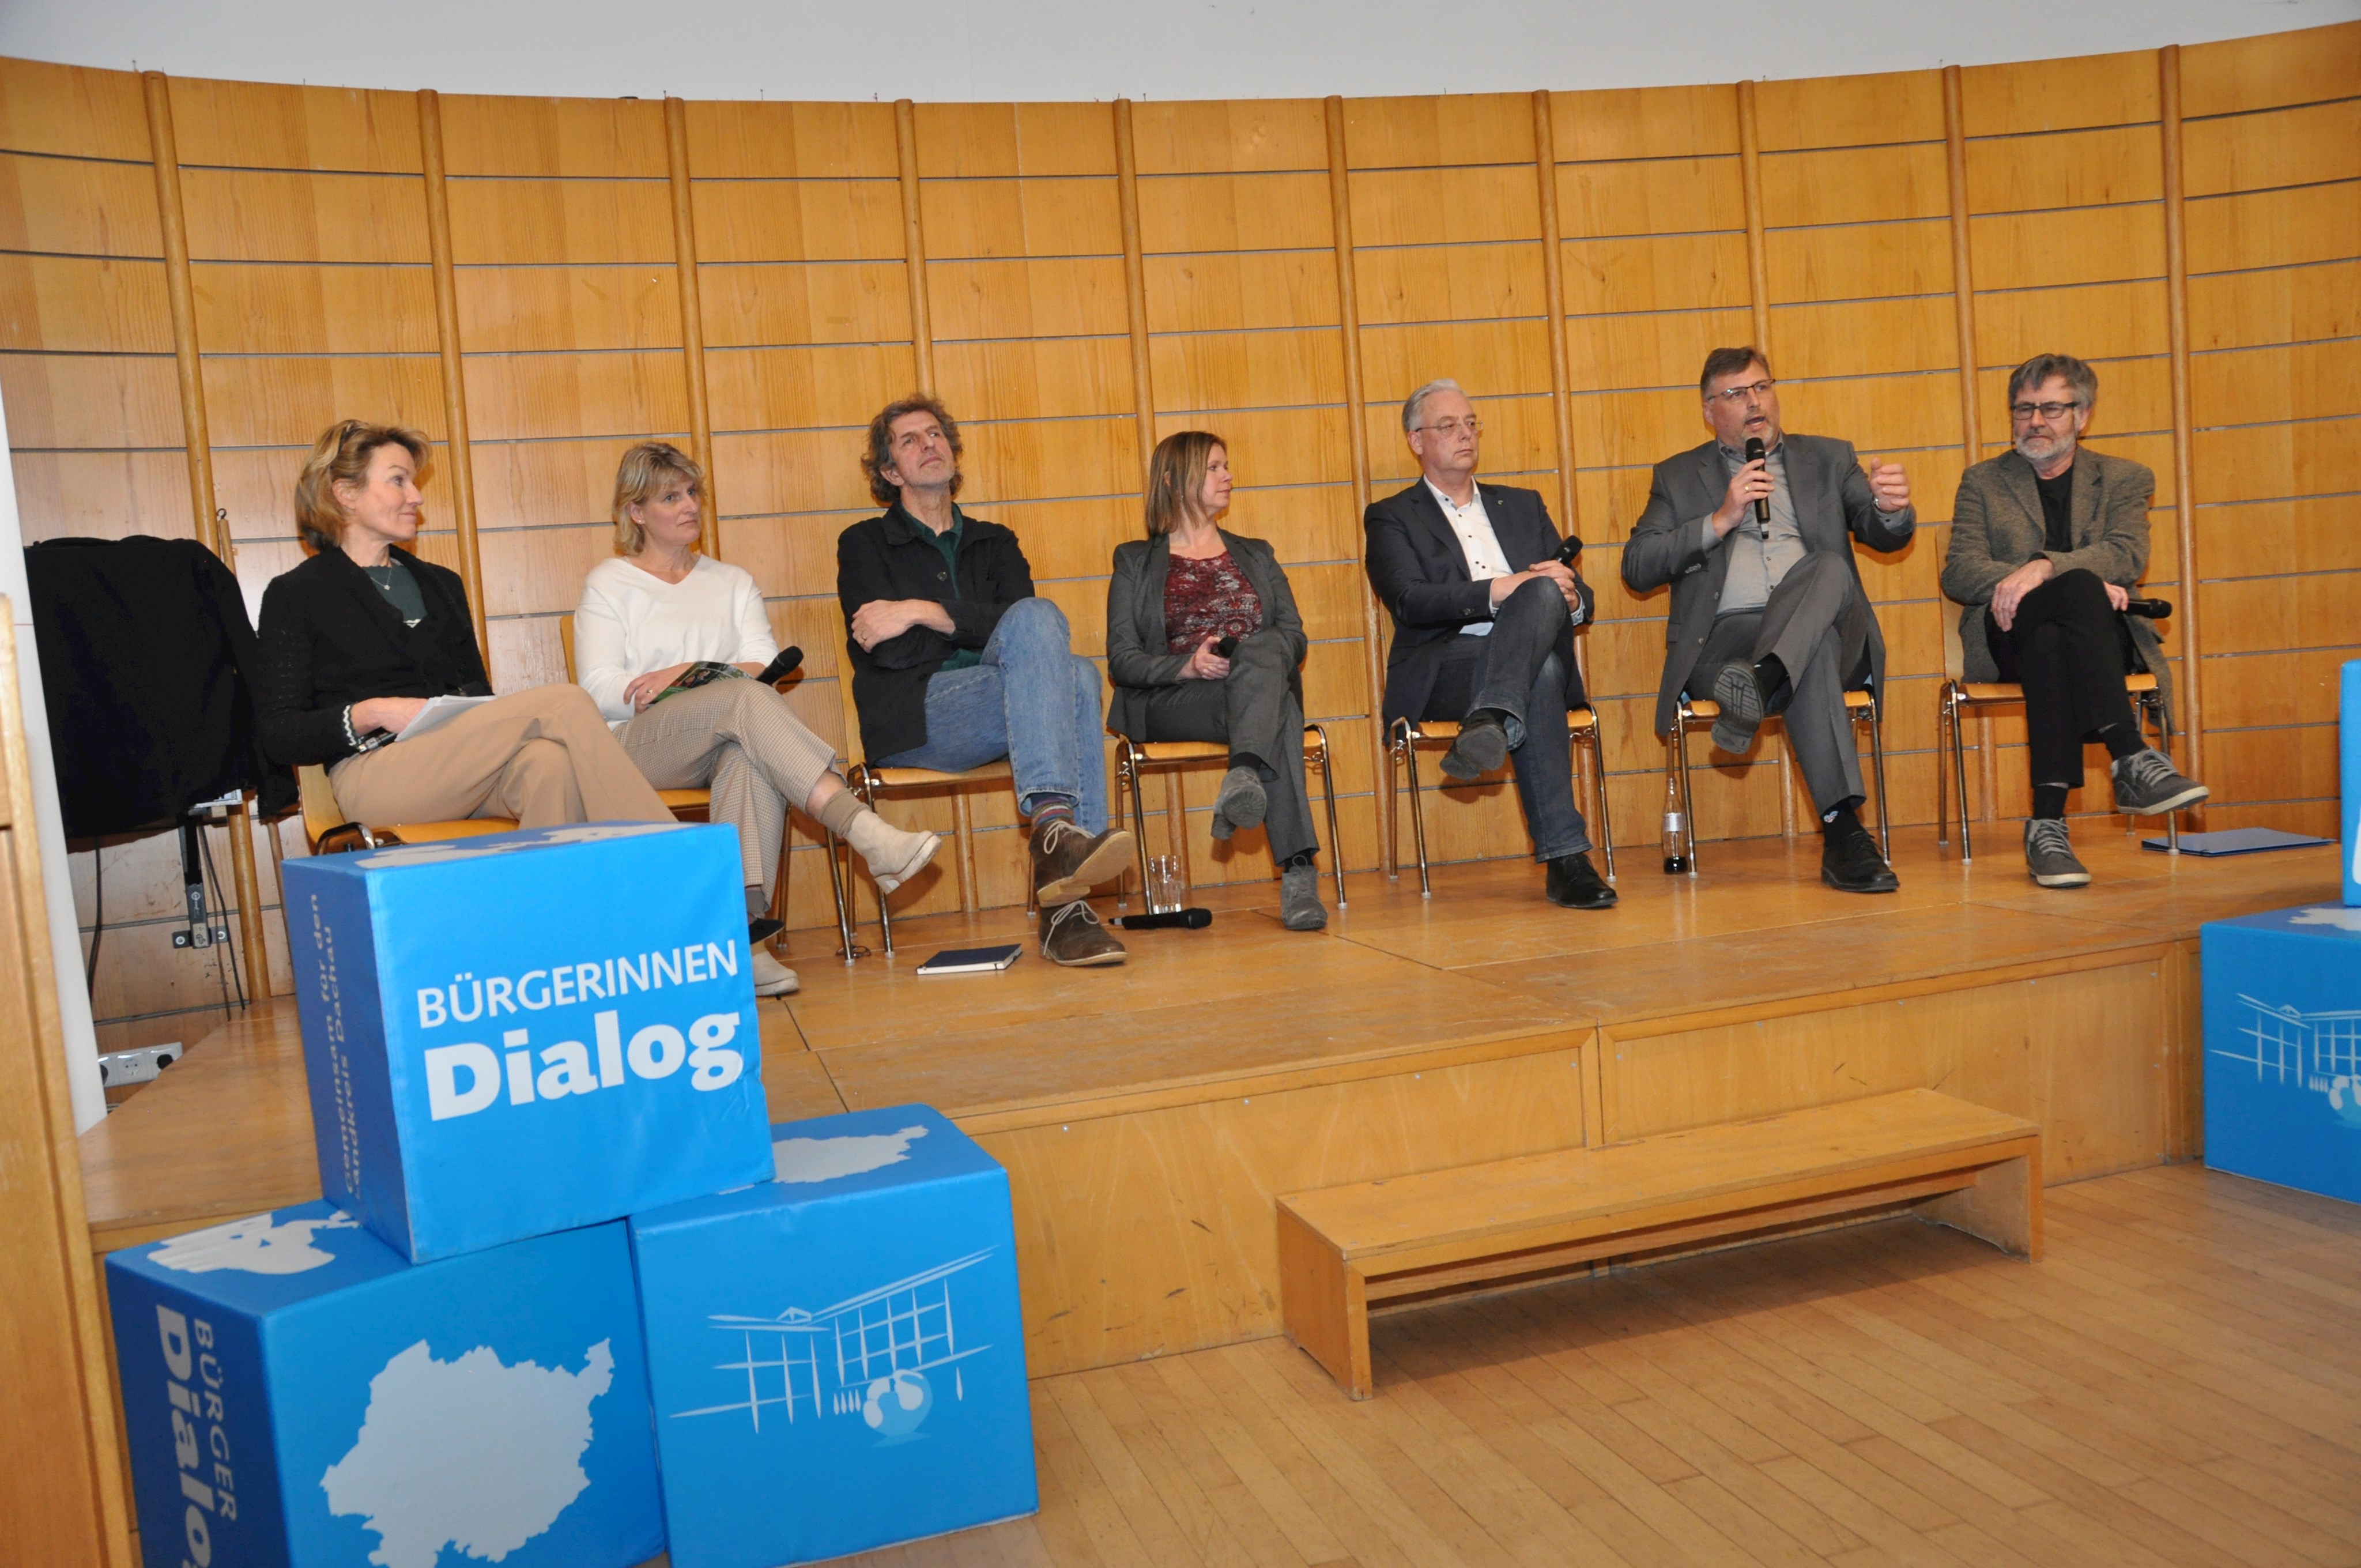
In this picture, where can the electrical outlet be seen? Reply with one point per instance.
(119, 1069)
(202, 936)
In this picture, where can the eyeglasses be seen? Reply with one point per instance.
(1734, 396)
(1450, 428)
(2047, 410)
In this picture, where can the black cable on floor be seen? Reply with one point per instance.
(97, 918)
(221, 906)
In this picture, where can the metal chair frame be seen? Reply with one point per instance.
(1403, 737)
(1862, 706)
(1959, 698)
(1131, 757)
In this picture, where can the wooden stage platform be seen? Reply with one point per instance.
(1149, 1114)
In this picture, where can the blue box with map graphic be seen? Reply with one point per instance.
(2283, 1047)
(2349, 740)
(521, 1033)
(837, 1356)
(297, 1396)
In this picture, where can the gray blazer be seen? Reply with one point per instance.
(1996, 527)
(1832, 503)
(1137, 635)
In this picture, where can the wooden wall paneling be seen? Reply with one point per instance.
(1348, 308)
(461, 483)
(692, 316)
(209, 530)
(1972, 446)
(1135, 287)
(1553, 301)
(1749, 156)
(61, 1481)
(913, 245)
(2189, 698)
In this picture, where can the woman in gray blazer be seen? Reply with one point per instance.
(1176, 598)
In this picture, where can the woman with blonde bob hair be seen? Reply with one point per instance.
(660, 637)
(1177, 599)
(356, 640)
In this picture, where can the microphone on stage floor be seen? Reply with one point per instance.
(789, 661)
(1754, 455)
(2155, 610)
(1176, 920)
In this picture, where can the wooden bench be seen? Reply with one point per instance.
(1344, 1247)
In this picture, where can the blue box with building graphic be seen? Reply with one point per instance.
(2283, 1047)
(837, 1356)
(521, 1033)
(2349, 740)
(297, 1396)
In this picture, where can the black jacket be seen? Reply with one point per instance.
(1420, 574)
(893, 557)
(146, 669)
(330, 639)
(1137, 661)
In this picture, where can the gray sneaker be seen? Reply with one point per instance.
(2050, 858)
(2148, 784)
(1741, 708)
(1240, 803)
(1299, 898)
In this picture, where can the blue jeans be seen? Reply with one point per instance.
(1032, 701)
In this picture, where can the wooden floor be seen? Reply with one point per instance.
(2178, 1384)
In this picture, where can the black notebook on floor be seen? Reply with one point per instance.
(972, 961)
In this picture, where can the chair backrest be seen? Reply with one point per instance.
(852, 756)
(565, 640)
(321, 811)
(1955, 653)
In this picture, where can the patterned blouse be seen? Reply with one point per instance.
(1207, 598)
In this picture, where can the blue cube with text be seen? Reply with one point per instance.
(297, 1396)
(525, 1032)
(837, 1356)
(2283, 1047)
(2349, 738)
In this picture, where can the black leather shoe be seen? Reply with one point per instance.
(1573, 885)
(1482, 747)
(1850, 862)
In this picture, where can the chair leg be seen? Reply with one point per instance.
(836, 879)
(1176, 827)
(2163, 735)
(1688, 801)
(1126, 776)
(1876, 711)
(1942, 773)
(1597, 743)
(1417, 811)
(1328, 788)
(867, 789)
(1959, 769)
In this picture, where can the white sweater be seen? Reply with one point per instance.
(630, 621)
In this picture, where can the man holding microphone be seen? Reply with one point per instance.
(1754, 531)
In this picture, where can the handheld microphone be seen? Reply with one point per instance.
(1225, 647)
(1569, 550)
(789, 661)
(1176, 920)
(1754, 455)
(2154, 610)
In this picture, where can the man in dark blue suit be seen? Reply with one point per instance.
(1484, 618)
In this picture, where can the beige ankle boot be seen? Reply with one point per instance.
(894, 857)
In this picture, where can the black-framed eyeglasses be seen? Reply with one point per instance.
(1734, 396)
(2047, 410)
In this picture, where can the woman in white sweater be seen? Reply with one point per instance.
(647, 619)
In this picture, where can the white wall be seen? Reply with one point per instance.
(988, 50)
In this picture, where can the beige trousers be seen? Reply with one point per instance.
(544, 757)
(740, 739)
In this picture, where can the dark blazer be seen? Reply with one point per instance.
(1996, 527)
(1420, 573)
(892, 556)
(330, 639)
(1137, 635)
(1832, 503)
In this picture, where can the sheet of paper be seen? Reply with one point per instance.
(438, 712)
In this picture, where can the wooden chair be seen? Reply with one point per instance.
(1132, 757)
(1404, 738)
(697, 805)
(324, 820)
(870, 782)
(1698, 713)
(1960, 695)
